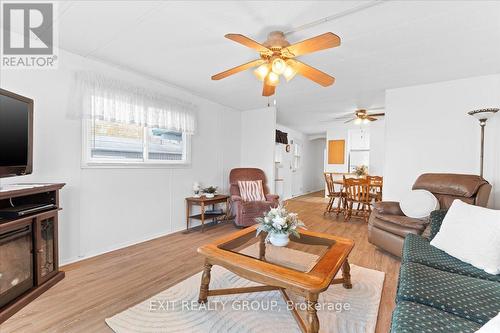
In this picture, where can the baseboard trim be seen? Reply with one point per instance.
(304, 193)
(123, 245)
(114, 248)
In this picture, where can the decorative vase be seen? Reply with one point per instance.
(279, 239)
(209, 195)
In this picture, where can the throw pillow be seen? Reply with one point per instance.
(471, 234)
(419, 204)
(251, 190)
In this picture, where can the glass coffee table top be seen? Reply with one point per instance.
(301, 254)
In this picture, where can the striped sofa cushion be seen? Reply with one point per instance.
(251, 190)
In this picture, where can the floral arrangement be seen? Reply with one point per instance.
(361, 170)
(279, 221)
(196, 189)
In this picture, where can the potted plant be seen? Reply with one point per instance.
(279, 224)
(210, 191)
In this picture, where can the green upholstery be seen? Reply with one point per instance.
(470, 298)
(409, 317)
(440, 293)
(417, 249)
(436, 218)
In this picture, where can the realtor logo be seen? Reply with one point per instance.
(28, 35)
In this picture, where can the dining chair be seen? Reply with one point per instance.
(333, 194)
(376, 185)
(357, 192)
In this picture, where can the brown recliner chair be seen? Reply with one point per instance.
(388, 226)
(247, 211)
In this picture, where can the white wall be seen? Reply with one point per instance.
(106, 209)
(309, 177)
(428, 130)
(376, 131)
(314, 164)
(257, 141)
(377, 147)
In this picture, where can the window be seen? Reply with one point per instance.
(119, 143)
(128, 125)
(296, 157)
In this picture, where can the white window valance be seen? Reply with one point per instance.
(103, 98)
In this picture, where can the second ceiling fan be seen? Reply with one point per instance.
(277, 57)
(360, 116)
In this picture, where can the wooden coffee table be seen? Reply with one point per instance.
(316, 259)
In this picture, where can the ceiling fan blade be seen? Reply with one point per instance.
(321, 42)
(248, 42)
(237, 69)
(371, 118)
(376, 114)
(353, 119)
(341, 115)
(268, 90)
(313, 74)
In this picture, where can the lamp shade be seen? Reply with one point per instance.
(483, 114)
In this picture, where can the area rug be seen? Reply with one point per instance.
(176, 309)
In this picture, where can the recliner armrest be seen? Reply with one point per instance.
(388, 207)
(272, 197)
(236, 198)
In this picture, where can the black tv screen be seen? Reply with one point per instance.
(16, 126)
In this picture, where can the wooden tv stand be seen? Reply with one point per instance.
(28, 245)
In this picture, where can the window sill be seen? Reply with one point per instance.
(131, 165)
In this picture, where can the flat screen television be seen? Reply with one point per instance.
(16, 134)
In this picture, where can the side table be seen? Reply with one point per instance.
(203, 202)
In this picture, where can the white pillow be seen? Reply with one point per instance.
(471, 234)
(492, 326)
(419, 204)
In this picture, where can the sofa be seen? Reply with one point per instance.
(246, 211)
(439, 293)
(388, 225)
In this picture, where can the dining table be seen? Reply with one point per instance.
(375, 189)
(373, 183)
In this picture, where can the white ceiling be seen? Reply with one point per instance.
(392, 44)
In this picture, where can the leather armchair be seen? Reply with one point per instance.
(247, 211)
(388, 225)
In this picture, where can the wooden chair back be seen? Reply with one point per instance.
(329, 182)
(357, 190)
(376, 184)
(330, 178)
(376, 180)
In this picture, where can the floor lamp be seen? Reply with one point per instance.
(482, 115)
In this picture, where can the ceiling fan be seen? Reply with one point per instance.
(277, 57)
(361, 116)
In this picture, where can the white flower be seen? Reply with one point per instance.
(279, 221)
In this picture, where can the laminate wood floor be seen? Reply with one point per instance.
(99, 287)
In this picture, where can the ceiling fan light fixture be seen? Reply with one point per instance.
(278, 66)
(276, 53)
(289, 72)
(366, 121)
(272, 79)
(261, 72)
(357, 121)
